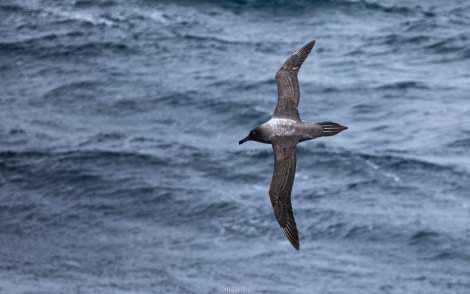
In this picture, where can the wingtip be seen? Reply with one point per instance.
(292, 236)
(296, 247)
(311, 44)
(303, 52)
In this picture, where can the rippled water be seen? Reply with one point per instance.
(120, 169)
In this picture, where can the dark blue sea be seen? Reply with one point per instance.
(120, 169)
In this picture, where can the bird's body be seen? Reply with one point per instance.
(284, 131)
(290, 130)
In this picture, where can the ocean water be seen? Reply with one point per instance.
(120, 169)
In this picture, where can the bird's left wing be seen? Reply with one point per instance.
(280, 191)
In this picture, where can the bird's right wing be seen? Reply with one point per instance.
(280, 191)
(287, 82)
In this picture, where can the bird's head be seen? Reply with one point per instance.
(255, 134)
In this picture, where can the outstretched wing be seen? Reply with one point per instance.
(287, 82)
(280, 191)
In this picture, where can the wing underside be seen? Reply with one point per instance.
(286, 79)
(280, 191)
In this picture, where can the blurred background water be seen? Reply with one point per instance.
(120, 170)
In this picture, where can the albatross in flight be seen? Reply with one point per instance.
(283, 131)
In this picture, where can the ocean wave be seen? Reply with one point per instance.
(453, 48)
(70, 91)
(214, 39)
(404, 85)
(104, 137)
(90, 3)
(450, 44)
(35, 42)
(298, 5)
(402, 40)
(19, 157)
(438, 246)
(461, 143)
(88, 50)
(53, 46)
(424, 237)
(10, 7)
(17, 9)
(454, 254)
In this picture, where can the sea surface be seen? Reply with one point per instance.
(120, 169)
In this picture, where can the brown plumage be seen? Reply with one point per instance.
(284, 131)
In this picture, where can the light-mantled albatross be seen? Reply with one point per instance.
(284, 130)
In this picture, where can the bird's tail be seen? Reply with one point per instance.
(331, 128)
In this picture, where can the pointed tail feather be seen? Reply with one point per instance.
(331, 128)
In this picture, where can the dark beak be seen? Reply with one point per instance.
(244, 140)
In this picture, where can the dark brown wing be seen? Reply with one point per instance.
(280, 191)
(287, 82)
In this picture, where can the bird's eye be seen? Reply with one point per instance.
(253, 133)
